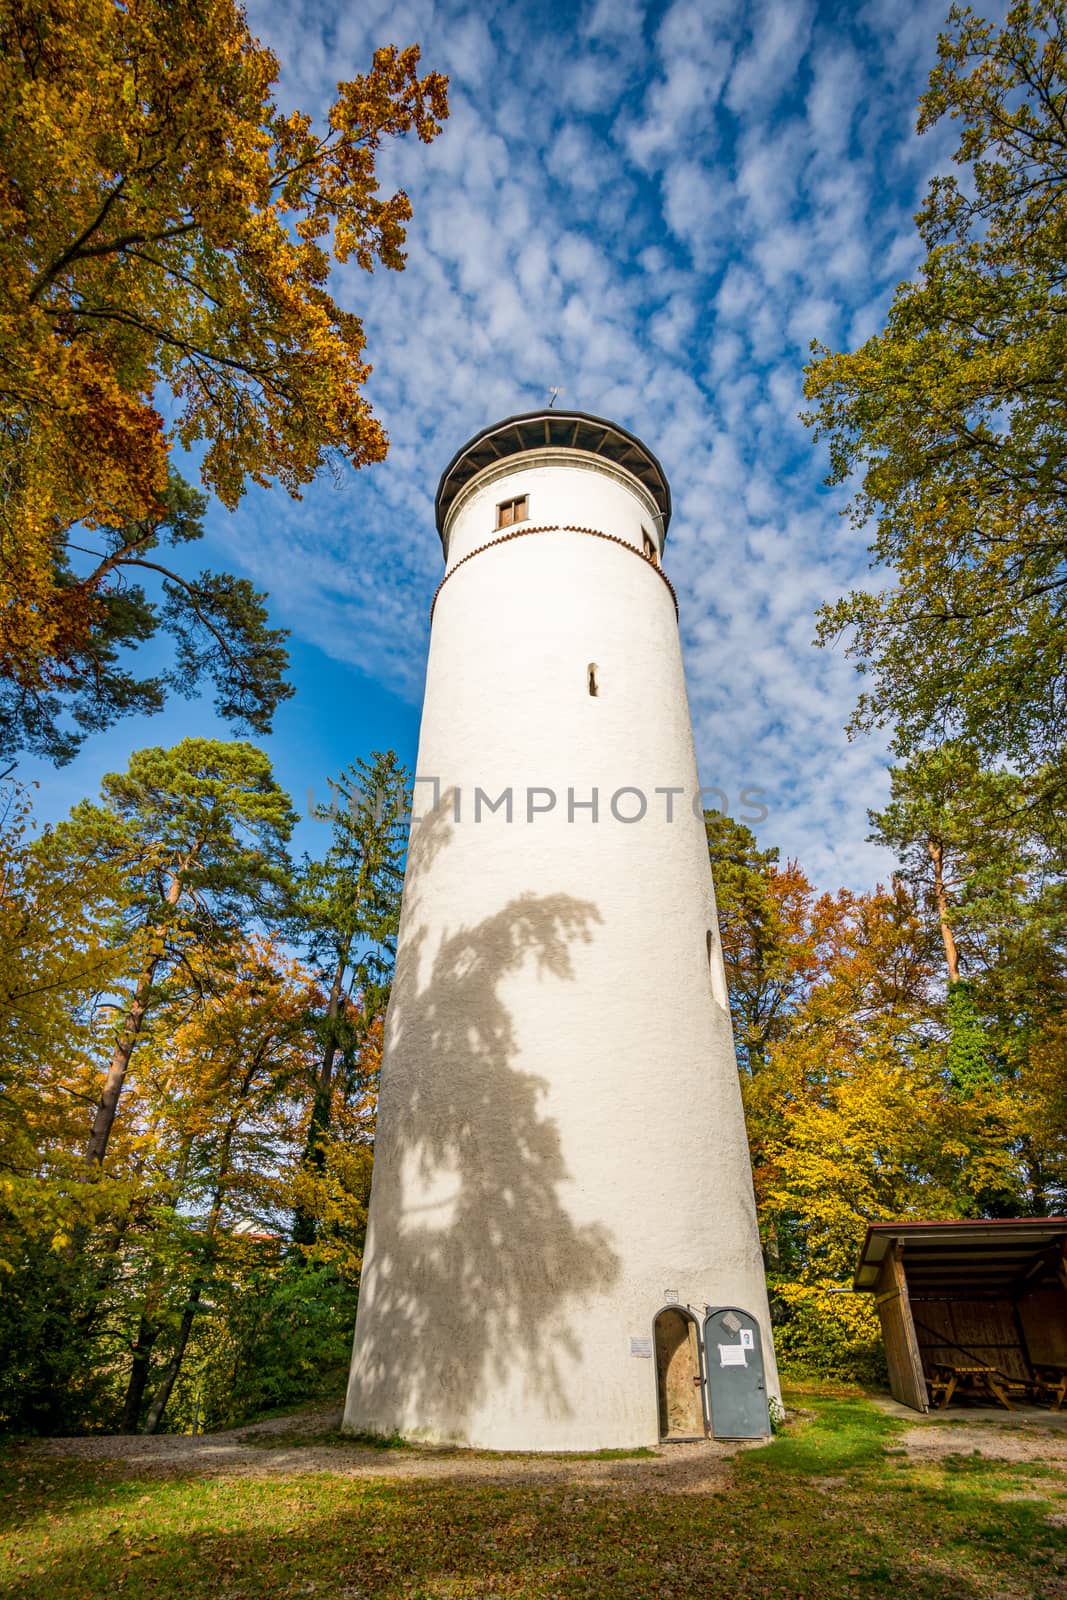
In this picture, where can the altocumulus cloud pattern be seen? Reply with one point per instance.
(658, 208)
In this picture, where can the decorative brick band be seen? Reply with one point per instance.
(556, 527)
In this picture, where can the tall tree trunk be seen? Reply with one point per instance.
(319, 1122)
(1036, 1178)
(149, 1327)
(324, 1079)
(174, 1365)
(104, 1120)
(952, 959)
(147, 1334)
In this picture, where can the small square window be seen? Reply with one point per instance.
(509, 511)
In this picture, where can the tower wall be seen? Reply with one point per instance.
(560, 1138)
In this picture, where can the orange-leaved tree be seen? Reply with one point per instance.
(217, 1114)
(167, 230)
(772, 924)
(861, 1122)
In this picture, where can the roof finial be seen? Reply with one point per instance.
(555, 393)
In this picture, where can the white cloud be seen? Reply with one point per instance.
(694, 53)
(766, 68)
(687, 195)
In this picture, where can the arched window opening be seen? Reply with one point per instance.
(649, 547)
(679, 1382)
(592, 678)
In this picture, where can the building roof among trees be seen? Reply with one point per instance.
(991, 1256)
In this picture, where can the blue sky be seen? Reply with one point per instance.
(656, 207)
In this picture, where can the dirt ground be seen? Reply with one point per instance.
(1028, 1433)
(310, 1443)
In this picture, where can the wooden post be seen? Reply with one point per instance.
(906, 1381)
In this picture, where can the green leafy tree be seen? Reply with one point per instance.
(217, 622)
(200, 833)
(281, 1336)
(953, 419)
(969, 1065)
(348, 910)
(980, 851)
(227, 1081)
(958, 833)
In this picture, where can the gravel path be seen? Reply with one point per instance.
(1027, 1433)
(996, 1441)
(309, 1443)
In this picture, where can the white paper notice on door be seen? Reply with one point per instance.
(732, 1355)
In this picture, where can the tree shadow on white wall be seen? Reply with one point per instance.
(482, 1272)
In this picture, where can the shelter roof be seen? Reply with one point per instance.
(1005, 1255)
(536, 430)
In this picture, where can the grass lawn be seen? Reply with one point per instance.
(831, 1509)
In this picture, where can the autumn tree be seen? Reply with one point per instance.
(953, 419)
(57, 954)
(233, 1319)
(58, 911)
(327, 1189)
(166, 235)
(220, 1098)
(199, 832)
(768, 921)
(1039, 1089)
(348, 911)
(216, 622)
(768, 931)
(862, 1123)
(57, 915)
(165, 1290)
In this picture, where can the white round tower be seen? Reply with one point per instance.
(562, 1190)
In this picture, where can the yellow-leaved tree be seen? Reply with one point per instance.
(166, 229)
(57, 953)
(861, 1122)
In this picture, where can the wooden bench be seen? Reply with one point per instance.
(1051, 1383)
(950, 1377)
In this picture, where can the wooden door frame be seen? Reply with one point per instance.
(690, 1316)
(907, 1382)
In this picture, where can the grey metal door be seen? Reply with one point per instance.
(733, 1364)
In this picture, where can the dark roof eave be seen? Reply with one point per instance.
(982, 1234)
(481, 451)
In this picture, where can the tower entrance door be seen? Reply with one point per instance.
(737, 1388)
(678, 1376)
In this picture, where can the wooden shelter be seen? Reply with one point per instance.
(971, 1307)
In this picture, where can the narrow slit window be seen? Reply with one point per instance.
(711, 946)
(592, 678)
(649, 548)
(509, 511)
